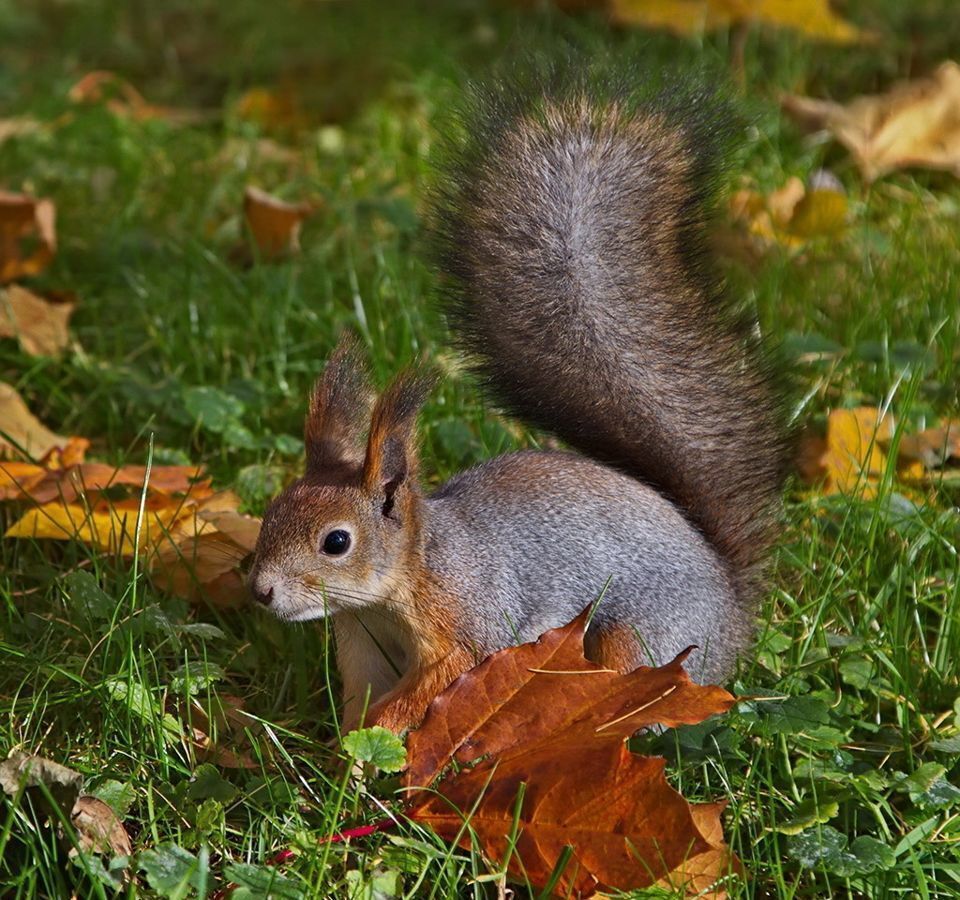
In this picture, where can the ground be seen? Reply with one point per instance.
(838, 776)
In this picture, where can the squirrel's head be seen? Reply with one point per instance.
(339, 537)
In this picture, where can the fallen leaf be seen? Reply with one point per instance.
(194, 536)
(541, 716)
(98, 828)
(54, 788)
(813, 18)
(18, 478)
(17, 126)
(20, 431)
(203, 557)
(274, 224)
(698, 873)
(39, 323)
(934, 446)
(28, 237)
(124, 100)
(792, 215)
(110, 527)
(24, 770)
(277, 110)
(221, 731)
(66, 483)
(915, 124)
(853, 457)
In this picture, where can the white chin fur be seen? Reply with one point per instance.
(299, 615)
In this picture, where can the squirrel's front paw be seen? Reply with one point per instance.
(395, 714)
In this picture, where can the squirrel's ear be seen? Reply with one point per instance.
(391, 447)
(339, 406)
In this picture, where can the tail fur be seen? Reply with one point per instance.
(572, 233)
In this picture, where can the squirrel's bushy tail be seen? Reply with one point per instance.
(572, 234)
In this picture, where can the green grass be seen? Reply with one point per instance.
(860, 635)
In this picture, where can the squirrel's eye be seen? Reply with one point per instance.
(336, 542)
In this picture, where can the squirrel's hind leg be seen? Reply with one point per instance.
(616, 647)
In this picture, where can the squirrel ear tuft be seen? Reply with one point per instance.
(339, 406)
(391, 447)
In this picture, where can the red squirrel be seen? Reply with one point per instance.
(572, 224)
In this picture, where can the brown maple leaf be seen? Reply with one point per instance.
(542, 719)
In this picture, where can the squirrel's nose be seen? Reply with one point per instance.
(262, 592)
(263, 597)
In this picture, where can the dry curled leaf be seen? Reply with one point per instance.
(915, 124)
(39, 323)
(21, 432)
(203, 556)
(542, 719)
(813, 18)
(932, 447)
(124, 100)
(24, 770)
(274, 224)
(220, 731)
(28, 238)
(98, 828)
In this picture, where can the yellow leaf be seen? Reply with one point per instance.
(813, 18)
(39, 323)
(915, 124)
(791, 215)
(109, 528)
(682, 17)
(854, 460)
(819, 213)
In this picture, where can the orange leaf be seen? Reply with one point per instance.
(277, 110)
(38, 322)
(202, 556)
(91, 479)
(542, 716)
(28, 237)
(274, 224)
(17, 479)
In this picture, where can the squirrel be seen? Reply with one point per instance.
(573, 239)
